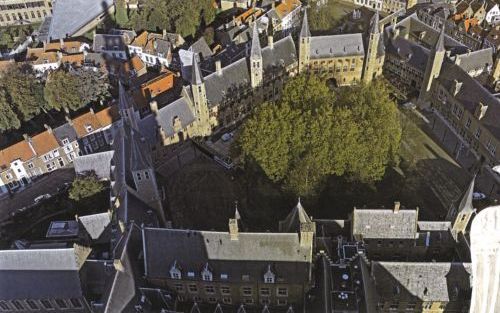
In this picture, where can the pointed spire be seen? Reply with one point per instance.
(375, 27)
(304, 32)
(290, 310)
(265, 309)
(293, 220)
(256, 51)
(196, 77)
(466, 201)
(241, 309)
(123, 98)
(195, 308)
(440, 42)
(237, 215)
(218, 309)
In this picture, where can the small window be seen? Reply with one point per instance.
(139, 177)
(88, 128)
(191, 274)
(225, 290)
(247, 291)
(226, 300)
(265, 292)
(212, 300)
(17, 304)
(265, 301)
(193, 288)
(65, 141)
(179, 287)
(248, 300)
(146, 174)
(223, 276)
(282, 291)
(282, 301)
(4, 306)
(210, 289)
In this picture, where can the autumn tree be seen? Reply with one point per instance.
(85, 186)
(312, 133)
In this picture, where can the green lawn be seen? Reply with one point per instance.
(328, 16)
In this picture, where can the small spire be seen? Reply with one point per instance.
(375, 27)
(237, 215)
(440, 42)
(256, 50)
(304, 32)
(466, 201)
(123, 100)
(196, 77)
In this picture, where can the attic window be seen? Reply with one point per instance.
(191, 274)
(88, 128)
(224, 276)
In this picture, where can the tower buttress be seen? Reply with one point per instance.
(372, 66)
(461, 215)
(200, 99)
(433, 68)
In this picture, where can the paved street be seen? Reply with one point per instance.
(47, 184)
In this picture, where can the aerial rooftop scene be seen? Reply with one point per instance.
(250, 156)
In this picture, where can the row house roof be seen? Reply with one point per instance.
(21, 150)
(44, 142)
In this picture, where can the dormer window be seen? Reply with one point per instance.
(206, 274)
(175, 272)
(88, 128)
(191, 274)
(269, 276)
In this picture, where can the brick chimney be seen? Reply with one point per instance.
(233, 229)
(397, 205)
(218, 67)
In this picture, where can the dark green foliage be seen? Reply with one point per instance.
(85, 186)
(24, 91)
(183, 17)
(313, 133)
(72, 91)
(62, 91)
(8, 118)
(121, 14)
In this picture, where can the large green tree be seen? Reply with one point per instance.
(93, 86)
(24, 91)
(313, 132)
(121, 13)
(183, 17)
(8, 118)
(62, 91)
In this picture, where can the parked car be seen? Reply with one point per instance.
(41, 197)
(478, 196)
(227, 136)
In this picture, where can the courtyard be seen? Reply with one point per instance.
(203, 194)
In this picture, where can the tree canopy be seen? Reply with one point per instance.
(313, 132)
(85, 186)
(74, 90)
(183, 17)
(8, 118)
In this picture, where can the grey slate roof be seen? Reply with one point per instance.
(179, 108)
(465, 204)
(256, 51)
(383, 223)
(476, 60)
(98, 162)
(236, 75)
(336, 46)
(105, 42)
(471, 93)
(433, 226)
(251, 254)
(426, 281)
(95, 224)
(65, 131)
(415, 55)
(294, 219)
(68, 16)
(41, 273)
(200, 46)
(304, 31)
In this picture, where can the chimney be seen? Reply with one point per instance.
(480, 110)
(218, 67)
(397, 205)
(48, 128)
(76, 217)
(270, 41)
(91, 111)
(233, 229)
(117, 263)
(153, 106)
(61, 42)
(164, 33)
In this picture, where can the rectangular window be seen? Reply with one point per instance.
(193, 288)
(210, 289)
(226, 300)
(282, 301)
(265, 292)
(223, 276)
(146, 174)
(191, 274)
(225, 290)
(17, 304)
(283, 291)
(179, 287)
(30, 165)
(212, 300)
(65, 141)
(247, 291)
(248, 300)
(61, 303)
(139, 177)
(4, 306)
(478, 133)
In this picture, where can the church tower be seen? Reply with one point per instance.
(200, 99)
(461, 215)
(433, 68)
(372, 64)
(256, 67)
(304, 45)
(126, 107)
(299, 221)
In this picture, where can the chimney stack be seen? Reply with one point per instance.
(164, 33)
(233, 229)
(270, 41)
(153, 106)
(48, 128)
(397, 205)
(218, 67)
(61, 41)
